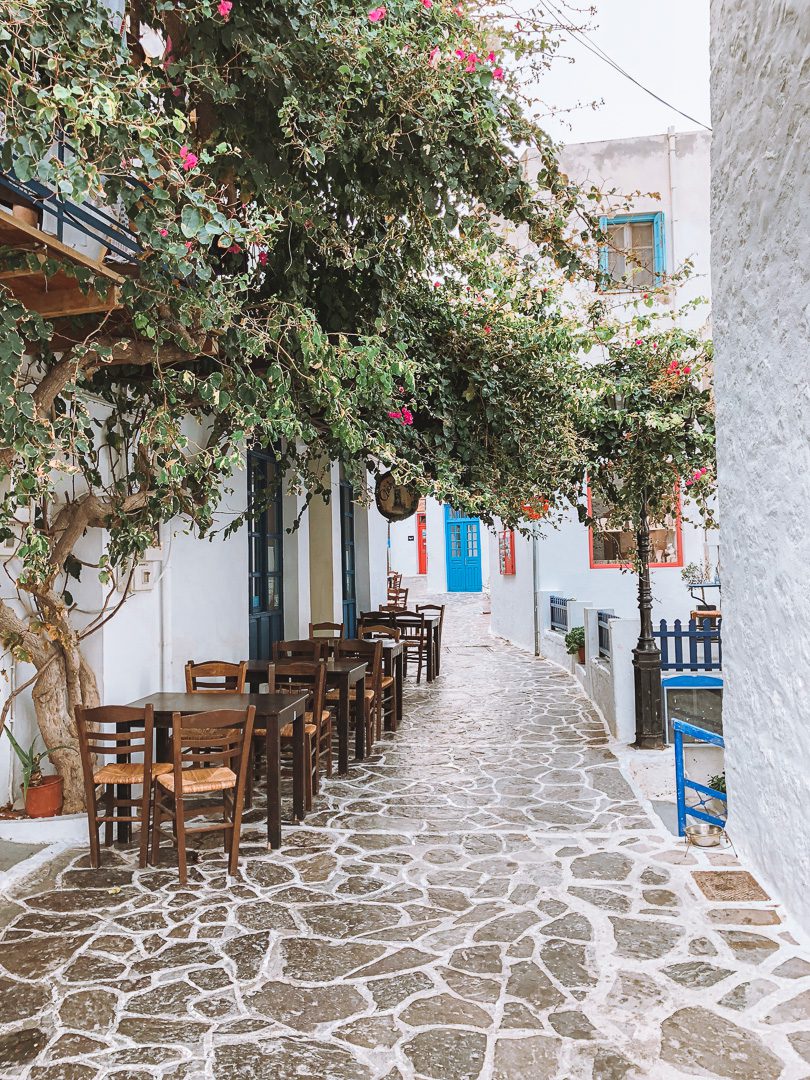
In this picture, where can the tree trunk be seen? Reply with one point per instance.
(65, 683)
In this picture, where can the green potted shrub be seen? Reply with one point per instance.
(42, 794)
(575, 642)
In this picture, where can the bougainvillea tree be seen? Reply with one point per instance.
(646, 422)
(298, 177)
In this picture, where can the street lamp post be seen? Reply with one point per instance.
(646, 655)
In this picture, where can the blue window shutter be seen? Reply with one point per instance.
(603, 251)
(659, 240)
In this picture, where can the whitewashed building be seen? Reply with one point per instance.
(760, 202)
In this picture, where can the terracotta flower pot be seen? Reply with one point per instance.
(581, 654)
(45, 798)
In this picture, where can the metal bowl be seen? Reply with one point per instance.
(702, 834)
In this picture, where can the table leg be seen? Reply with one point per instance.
(360, 719)
(298, 767)
(430, 657)
(343, 725)
(272, 753)
(399, 676)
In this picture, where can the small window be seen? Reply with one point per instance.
(611, 546)
(455, 541)
(506, 552)
(634, 256)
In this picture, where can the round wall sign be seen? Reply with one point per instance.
(395, 501)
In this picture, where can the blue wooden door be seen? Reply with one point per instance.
(265, 556)
(463, 546)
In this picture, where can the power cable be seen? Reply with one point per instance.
(600, 53)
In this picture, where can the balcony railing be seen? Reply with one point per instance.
(603, 629)
(559, 614)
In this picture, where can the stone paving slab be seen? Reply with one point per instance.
(484, 898)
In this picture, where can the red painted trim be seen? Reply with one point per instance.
(627, 566)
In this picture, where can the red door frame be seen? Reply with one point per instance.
(421, 541)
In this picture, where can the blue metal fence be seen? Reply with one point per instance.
(703, 646)
(559, 614)
(682, 785)
(603, 629)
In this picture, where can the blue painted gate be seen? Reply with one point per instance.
(463, 546)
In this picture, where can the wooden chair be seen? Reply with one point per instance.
(437, 609)
(328, 630)
(415, 640)
(210, 757)
(394, 580)
(397, 599)
(376, 631)
(310, 649)
(117, 731)
(215, 677)
(307, 677)
(371, 707)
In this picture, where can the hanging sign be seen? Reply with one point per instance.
(396, 502)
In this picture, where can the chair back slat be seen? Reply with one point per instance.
(309, 649)
(115, 731)
(209, 739)
(326, 630)
(378, 630)
(215, 677)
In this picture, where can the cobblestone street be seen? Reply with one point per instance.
(485, 897)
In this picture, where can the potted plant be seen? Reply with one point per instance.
(42, 794)
(575, 642)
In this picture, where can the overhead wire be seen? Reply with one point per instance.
(599, 52)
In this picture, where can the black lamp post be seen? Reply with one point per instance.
(646, 655)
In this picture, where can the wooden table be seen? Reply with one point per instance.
(393, 664)
(343, 676)
(273, 711)
(400, 619)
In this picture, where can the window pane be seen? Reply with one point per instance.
(273, 592)
(455, 541)
(472, 541)
(631, 253)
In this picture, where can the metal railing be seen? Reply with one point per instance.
(603, 629)
(704, 647)
(559, 614)
(95, 222)
(682, 785)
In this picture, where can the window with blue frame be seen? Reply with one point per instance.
(634, 256)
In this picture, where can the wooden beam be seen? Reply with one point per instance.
(56, 299)
(21, 236)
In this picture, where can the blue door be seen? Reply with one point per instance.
(463, 546)
(347, 559)
(265, 556)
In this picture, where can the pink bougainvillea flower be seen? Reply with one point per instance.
(190, 161)
(395, 415)
(189, 245)
(638, 341)
(434, 57)
(703, 471)
(458, 10)
(427, 4)
(183, 152)
(689, 483)
(686, 370)
(407, 417)
(234, 249)
(164, 232)
(461, 54)
(655, 344)
(263, 258)
(224, 8)
(401, 389)
(498, 73)
(487, 329)
(377, 14)
(472, 60)
(437, 284)
(491, 58)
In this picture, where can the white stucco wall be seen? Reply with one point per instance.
(760, 200)
(403, 553)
